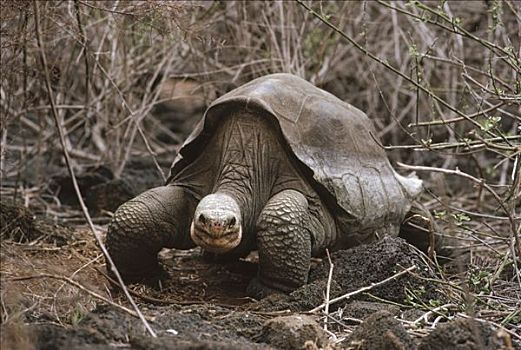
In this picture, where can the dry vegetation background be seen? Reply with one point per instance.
(440, 80)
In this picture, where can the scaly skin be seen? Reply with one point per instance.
(284, 238)
(251, 197)
(144, 225)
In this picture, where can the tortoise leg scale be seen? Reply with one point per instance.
(156, 219)
(284, 240)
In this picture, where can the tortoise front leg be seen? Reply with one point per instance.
(284, 240)
(158, 218)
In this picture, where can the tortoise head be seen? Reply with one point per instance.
(217, 223)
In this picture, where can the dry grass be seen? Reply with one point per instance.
(441, 82)
(49, 299)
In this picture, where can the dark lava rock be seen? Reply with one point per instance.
(380, 331)
(244, 324)
(112, 324)
(102, 191)
(142, 173)
(62, 186)
(292, 332)
(462, 334)
(360, 267)
(363, 309)
(108, 195)
(21, 225)
(197, 327)
(191, 327)
(371, 263)
(170, 343)
(304, 298)
(52, 337)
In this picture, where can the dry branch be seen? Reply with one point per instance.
(73, 176)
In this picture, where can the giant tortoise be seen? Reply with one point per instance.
(276, 165)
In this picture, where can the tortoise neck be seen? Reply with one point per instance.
(247, 167)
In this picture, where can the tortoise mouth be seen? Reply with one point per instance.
(216, 242)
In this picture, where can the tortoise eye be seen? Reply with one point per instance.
(232, 221)
(202, 219)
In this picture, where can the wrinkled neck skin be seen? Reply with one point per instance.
(248, 165)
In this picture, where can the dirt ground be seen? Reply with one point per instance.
(53, 287)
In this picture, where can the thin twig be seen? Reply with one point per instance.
(480, 182)
(328, 288)
(85, 53)
(465, 144)
(68, 161)
(436, 310)
(515, 240)
(456, 29)
(365, 289)
(455, 120)
(77, 285)
(390, 67)
(106, 9)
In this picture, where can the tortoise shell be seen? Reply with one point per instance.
(333, 141)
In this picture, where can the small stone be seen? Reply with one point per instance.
(462, 334)
(380, 331)
(363, 309)
(292, 332)
(108, 195)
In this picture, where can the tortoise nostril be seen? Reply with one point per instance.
(232, 221)
(202, 219)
